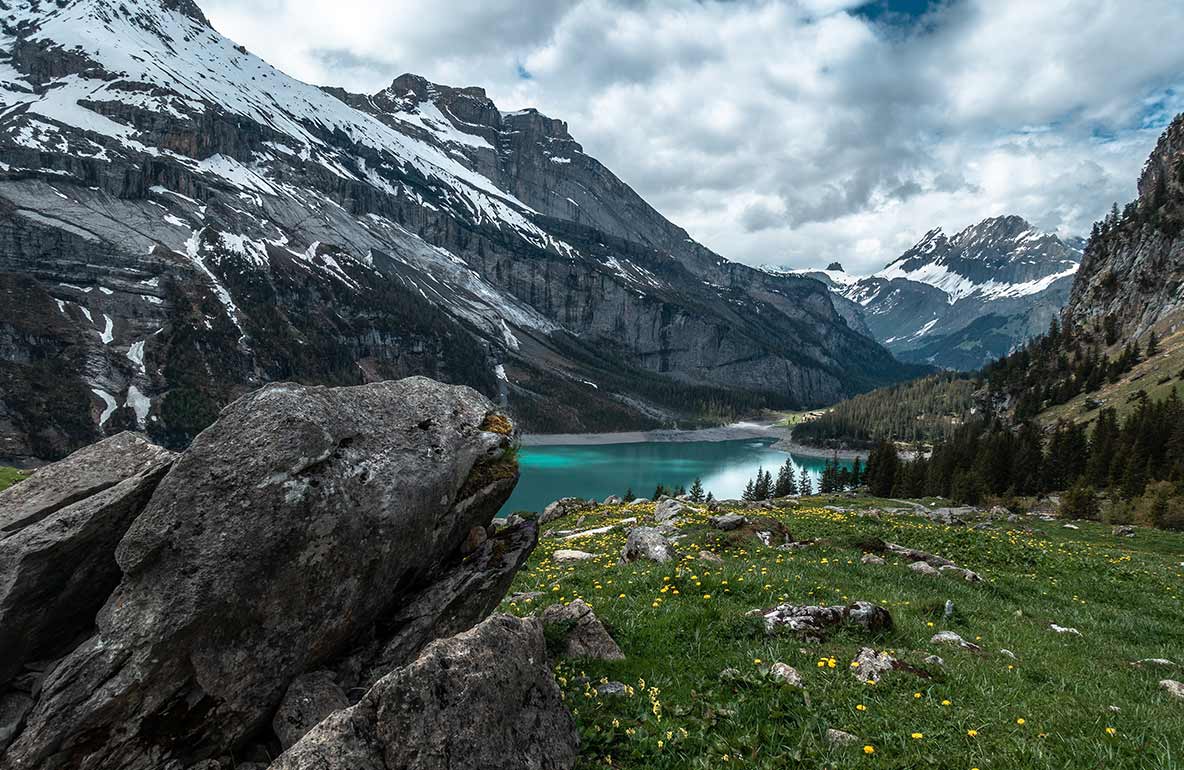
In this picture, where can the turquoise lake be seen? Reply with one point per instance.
(552, 472)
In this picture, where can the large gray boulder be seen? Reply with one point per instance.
(58, 533)
(482, 700)
(294, 524)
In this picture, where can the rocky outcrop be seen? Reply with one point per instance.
(1132, 277)
(310, 698)
(58, 532)
(308, 529)
(482, 699)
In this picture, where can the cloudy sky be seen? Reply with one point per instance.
(791, 132)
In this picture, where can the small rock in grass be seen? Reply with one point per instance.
(813, 622)
(647, 543)
(710, 558)
(1064, 630)
(871, 558)
(1161, 662)
(934, 660)
(840, 738)
(584, 636)
(1124, 530)
(948, 612)
(730, 674)
(728, 521)
(949, 637)
(1070, 526)
(1114, 709)
(565, 554)
(783, 672)
(968, 575)
(870, 666)
(613, 500)
(1174, 688)
(609, 689)
(1008, 654)
(923, 568)
(667, 510)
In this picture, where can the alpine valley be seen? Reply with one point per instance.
(181, 223)
(961, 302)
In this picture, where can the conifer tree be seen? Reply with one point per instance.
(805, 484)
(697, 490)
(629, 496)
(786, 484)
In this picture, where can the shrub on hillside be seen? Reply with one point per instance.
(1081, 502)
(1160, 506)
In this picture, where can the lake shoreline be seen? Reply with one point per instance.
(734, 432)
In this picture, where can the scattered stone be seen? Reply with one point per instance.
(1114, 709)
(1064, 630)
(613, 500)
(611, 689)
(668, 510)
(1160, 662)
(1070, 526)
(1008, 654)
(840, 738)
(730, 674)
(565, 507)
(913, 554)
(948, 612)
(1000, 511)
(639, 501)
(967, 575)
(1124, 530)
(573, 534)
(923, 568)
(949, 637)
(813, 622)
(951, 516)
(485, 698)
(1173, 688)
(870, 666)
(310, 698)
(871, 558)
(728, 521)
(1014, 518)
(934, 660)
(567, 555)
(785, 673)
(584, 635)
(710, 557)
(647, 543)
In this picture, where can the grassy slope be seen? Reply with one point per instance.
(10, 476)
(1168, 363)
(681, 624)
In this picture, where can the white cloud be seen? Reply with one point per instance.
(790, 132)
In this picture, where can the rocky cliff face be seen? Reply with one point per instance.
(960, 302)
(312, 539)
(180, 223)
(1133, 271)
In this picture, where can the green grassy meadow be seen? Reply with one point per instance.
(10, 476)
(1064, 701)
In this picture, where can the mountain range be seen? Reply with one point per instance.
(180, 222)
(960, 302)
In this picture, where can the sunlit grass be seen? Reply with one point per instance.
(681, 625)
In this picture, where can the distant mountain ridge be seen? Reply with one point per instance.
(181, 222)
(959, 302)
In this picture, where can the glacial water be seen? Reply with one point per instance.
(552, 472)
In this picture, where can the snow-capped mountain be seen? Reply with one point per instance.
(180, 222)
(961, 302)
